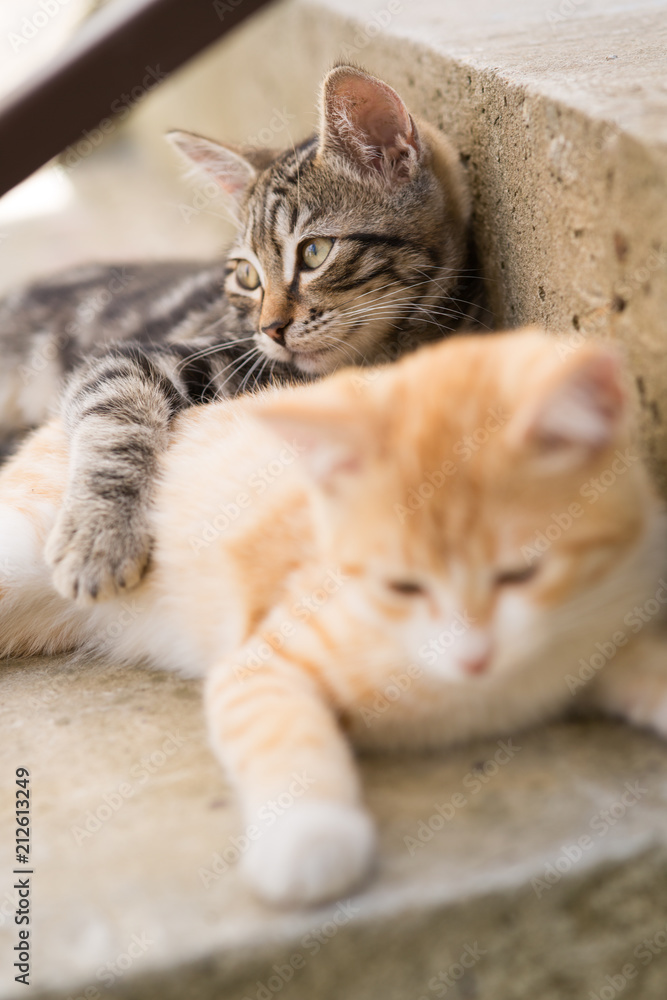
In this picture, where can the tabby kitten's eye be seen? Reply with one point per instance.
(407, 588)
(246, 275)
(315, 252)
(516, 576)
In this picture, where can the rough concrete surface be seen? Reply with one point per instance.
(560, 111)
(128, 806)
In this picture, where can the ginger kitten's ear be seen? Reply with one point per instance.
(332, 443)
(579, 411)
(230, 168)
(364, 121)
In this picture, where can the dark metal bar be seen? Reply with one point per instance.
(121, 53)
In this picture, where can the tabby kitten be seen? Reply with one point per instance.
(352, 247)
(391, 556)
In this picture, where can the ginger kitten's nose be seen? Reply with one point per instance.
(478, 665)
(276, 330)
(475, 652)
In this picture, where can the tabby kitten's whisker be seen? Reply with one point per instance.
(207, 352)
(234, 367)
(407, 291)
(236, 364)
(329, 341)
(256, 365)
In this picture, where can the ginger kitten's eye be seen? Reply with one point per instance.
(408, 588)
(315, 252)
(514, 577)
(246, 275)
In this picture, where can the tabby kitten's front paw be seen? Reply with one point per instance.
(316, 851)
(95, 557)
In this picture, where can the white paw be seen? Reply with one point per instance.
(316, 851)
(656, 716)
(20, 549)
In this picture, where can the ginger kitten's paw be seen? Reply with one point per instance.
(316, 851)
(646, 703)
(634, 684)
(96, 557)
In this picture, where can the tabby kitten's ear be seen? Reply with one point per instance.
(366, 123)
(579, 411)
(229, 167)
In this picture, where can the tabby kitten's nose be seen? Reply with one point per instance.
(276, 330)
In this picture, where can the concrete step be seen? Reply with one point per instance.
(515, 869)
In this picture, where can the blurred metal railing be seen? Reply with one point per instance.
(123, 50)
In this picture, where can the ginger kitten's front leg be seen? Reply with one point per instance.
(311, 838)
(633, 685)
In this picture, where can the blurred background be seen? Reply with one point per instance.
(127, 197)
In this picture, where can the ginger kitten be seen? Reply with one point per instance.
(314, 543)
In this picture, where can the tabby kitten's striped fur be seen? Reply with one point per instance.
(351, 248)
(333, 603)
